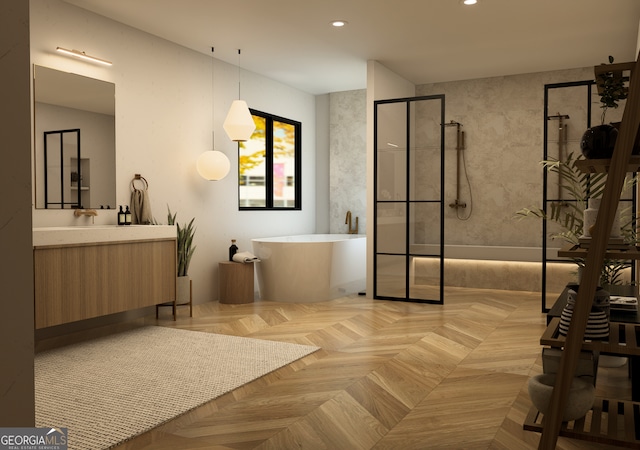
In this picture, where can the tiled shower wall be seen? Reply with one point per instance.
(503, 121)
(347, 159)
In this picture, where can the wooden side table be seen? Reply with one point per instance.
(235, 282)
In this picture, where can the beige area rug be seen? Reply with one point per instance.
(108, 390)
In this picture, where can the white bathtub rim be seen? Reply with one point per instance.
(310, 238)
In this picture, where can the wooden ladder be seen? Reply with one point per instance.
(595, 256)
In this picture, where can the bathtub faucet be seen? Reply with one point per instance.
(348, 221)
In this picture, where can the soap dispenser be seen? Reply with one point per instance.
(121, 218)
(233, 249)
(127, 216)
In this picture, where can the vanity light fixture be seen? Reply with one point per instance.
(213, 165)
(239, 124)
(339, 23)
(83, 55)
(469, 2)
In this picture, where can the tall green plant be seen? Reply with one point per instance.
(185, 243)
(578, 187)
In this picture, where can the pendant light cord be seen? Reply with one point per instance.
(239, 97)
(213, 102)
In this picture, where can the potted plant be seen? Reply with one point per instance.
(568, 215)
(185, 249)
(599, 141)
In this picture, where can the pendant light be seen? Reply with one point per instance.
(239, 124)
(213, 165)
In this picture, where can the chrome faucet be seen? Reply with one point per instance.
(85, 212)
(348, 221)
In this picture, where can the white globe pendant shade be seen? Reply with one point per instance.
(239, 124)
(213, 165)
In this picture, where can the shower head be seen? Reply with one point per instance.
(452, 123)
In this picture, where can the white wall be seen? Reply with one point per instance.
(163, 123)
(382, 84)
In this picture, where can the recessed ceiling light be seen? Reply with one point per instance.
(469, 2)
(339, 23)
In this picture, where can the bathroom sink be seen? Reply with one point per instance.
(86, 234)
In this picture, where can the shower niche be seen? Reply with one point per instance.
(408, 199)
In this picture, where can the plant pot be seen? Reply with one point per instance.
(611, 361)
(580, 401)
(636, 144)
(598, 142)
(183, 289)
(589, 219)
(598, 322)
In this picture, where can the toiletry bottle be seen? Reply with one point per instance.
(127, 216)
(233, 249)
(121, 216)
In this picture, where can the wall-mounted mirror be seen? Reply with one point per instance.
(75, 152)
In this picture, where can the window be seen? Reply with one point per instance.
(269, 164)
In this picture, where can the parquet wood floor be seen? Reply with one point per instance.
(390, 375)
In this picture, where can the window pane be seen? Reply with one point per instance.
(284, 168)
(252, 167)
(269, 164)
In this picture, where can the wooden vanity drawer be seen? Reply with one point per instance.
(76, 282)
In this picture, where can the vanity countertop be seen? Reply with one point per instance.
(56, 236)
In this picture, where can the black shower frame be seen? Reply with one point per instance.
(62, 203)
(545, 200)
(408, 255)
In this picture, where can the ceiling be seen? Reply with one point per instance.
(424, 41)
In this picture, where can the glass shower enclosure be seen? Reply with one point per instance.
(409, 199)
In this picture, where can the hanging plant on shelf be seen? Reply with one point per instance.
(598, 142)
(612, 89)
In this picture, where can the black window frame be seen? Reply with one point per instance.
(268, 186)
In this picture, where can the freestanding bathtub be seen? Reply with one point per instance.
(310, 268)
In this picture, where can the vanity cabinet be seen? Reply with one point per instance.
(81, 281)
